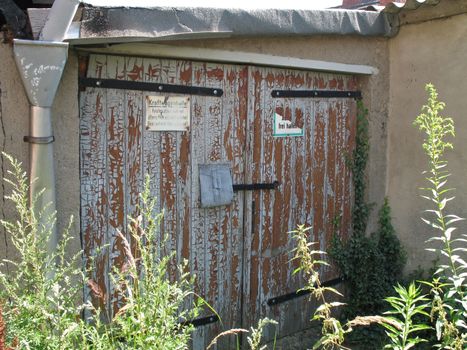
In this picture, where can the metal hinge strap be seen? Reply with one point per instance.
(301, 292)
(145, 86)
(316, 94)
(197, 322)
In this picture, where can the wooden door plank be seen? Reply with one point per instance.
(152, 143)
(319, 164)
(184, 75)
(350, 113)
(197, 259)
(331, 194)
(213, 138)
(253, 222)
(168, 184)
(279, 168)
(297, 309)
(225, 252)
(238, 140)
(134, 101)
(309, 134)
(116, 173)
(303, 119)
(93, 173)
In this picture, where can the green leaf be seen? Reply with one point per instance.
(448, 232)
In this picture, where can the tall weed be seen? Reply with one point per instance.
(449, 308)
(152, 314)
(40, 295)
(333, 332)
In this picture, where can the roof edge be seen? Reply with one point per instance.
(216, 55)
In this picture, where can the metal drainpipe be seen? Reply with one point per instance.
(40, 64)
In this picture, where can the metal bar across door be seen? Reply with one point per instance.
(144, 86)
(316, 94)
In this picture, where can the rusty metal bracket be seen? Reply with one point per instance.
(316, 94)
(301, 292)
(144, 86)
(256, 186)
(202, 321)
(39, 140)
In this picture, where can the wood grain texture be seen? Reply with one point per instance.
(93, 175)
(313, 176)
(134, 102)
(240, 253)
(198, 256)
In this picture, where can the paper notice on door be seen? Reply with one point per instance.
(167, 113)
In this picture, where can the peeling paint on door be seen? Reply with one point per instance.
(240, 253)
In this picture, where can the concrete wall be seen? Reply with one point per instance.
(425, 51)
(14, 125)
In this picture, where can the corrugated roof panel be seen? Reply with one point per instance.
(396, 7)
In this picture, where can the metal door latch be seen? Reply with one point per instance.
(256, 186)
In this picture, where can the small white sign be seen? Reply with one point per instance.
(167, 113)
(282, 128)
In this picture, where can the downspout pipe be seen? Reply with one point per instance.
(41, 64)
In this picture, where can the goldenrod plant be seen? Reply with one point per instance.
(333, 332)
(448, 287)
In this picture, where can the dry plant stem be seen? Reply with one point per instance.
(233, 331)
(369, 320)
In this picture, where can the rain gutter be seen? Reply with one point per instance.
(40, 64)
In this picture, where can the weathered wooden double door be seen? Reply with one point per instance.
(241, 252)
